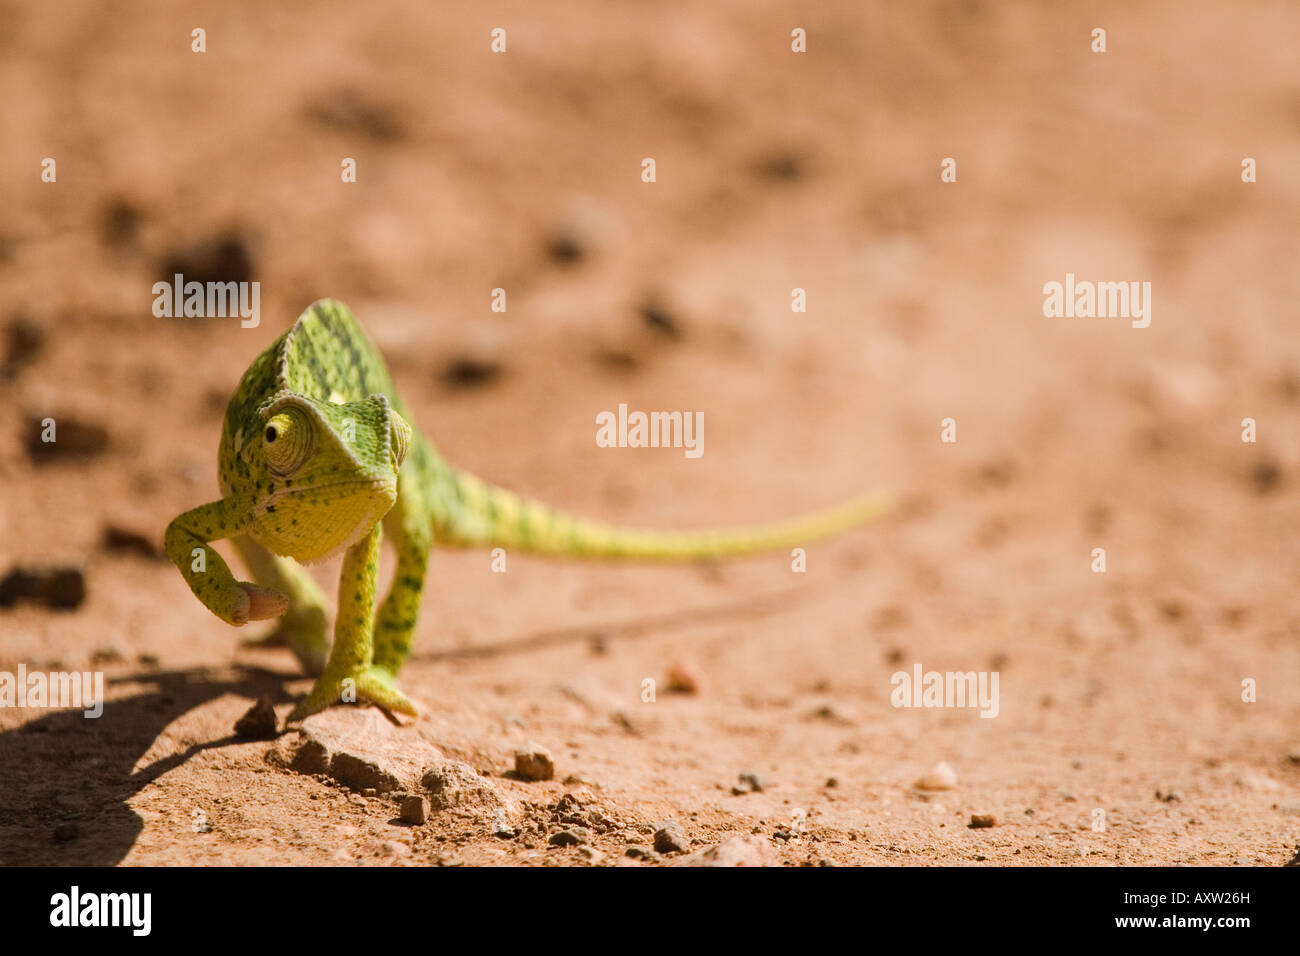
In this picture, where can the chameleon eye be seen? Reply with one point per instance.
(288, 441)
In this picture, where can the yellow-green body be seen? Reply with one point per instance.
(318, 455)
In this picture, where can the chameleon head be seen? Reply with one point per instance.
(322, 474)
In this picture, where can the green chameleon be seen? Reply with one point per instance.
(318, 457)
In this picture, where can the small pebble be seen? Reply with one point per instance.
(415, 809)
(979, 821)
(258, 722)
(533, 762)
(670, 838)
(940, 777)
(566, 838)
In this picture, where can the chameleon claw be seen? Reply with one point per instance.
(263, 603)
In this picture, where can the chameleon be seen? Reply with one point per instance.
(319, 456)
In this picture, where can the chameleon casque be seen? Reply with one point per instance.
(318, 456)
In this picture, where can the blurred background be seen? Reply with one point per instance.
(775, 170)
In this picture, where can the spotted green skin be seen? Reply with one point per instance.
(318, 456)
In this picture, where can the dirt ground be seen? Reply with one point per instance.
(1120, 692)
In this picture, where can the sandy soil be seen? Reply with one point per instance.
(1119, 691)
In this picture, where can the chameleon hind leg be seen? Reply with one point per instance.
(349, 675)
(408, 525)
(303, 628)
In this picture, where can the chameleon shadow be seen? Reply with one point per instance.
(66, 780)
(747, 609)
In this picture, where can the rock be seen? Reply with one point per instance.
(748, 783)
(736, 851)
(501, 826)
(566, 838)
(259, 721)
(58, 587)
(362, 750)
(450, 784)
(415, 809)
(638, 852)
(1295, 860)
(979, 821)
(533, 762)
(570, 811)
(940, 777)
(670, 838)
(359, 748)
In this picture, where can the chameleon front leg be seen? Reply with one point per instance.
(303, 627)
(186, 544)
(349, 674)
(395, 624)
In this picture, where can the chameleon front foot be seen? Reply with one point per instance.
(370, 685)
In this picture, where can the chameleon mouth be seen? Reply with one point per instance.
(345, 483)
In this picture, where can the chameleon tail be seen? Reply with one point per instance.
(495, 516)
